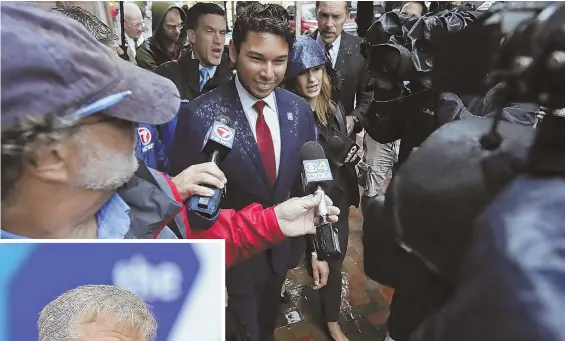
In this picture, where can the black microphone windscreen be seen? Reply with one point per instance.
(311, 151)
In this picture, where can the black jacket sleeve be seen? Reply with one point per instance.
(452, 107)
(382, 120)
(364, 96)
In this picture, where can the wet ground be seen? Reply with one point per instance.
(364, 305)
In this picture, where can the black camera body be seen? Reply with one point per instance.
(521, 44)
(399, 47)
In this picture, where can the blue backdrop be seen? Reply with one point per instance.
(182, 282)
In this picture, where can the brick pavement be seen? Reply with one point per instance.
(364, 306)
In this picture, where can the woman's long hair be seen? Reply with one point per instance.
(325, 107)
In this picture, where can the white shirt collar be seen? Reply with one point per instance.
(211, 69)
(335, 44)
(131, 43)
(248, 100)
(140, 40)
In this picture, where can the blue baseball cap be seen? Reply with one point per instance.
(305, 54)
(52, 65)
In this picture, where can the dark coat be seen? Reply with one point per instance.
(511, 286)
(152, 53)
(345, 176)
(516, 257)
(433, 214)
(185, 74)
(412, 114)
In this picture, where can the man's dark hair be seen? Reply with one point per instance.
(240, 6)
(199, 9)
(347, 6)
(262, 18)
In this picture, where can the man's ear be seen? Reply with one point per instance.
(50, 163)
(191, 36)
(233, 53)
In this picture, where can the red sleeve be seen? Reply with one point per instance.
(246, 232)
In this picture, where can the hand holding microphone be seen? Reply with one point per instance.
(197, 180)
(299, 216)
(217, 144)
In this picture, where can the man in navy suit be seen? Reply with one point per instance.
(263, 166)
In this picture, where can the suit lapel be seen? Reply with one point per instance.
(244, 136)
(287, 118)
(222, 74)
(344, 51)
(342, 54)
(191, 74)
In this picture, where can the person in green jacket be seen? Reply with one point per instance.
(168, 38)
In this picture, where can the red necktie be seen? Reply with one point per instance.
(265, 143)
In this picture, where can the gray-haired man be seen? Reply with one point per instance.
(97, 312)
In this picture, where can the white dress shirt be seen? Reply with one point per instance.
(335, 47)
(269, 112)
(131, 43)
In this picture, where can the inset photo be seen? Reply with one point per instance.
(127, 290)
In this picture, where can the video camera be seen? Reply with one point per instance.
(519, 43)
(399, 47)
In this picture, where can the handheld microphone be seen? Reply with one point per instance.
(316, 178)
(217, 144)
(342, 149)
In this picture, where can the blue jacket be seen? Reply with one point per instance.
(167, 135)
(512, 285)
(150, 148)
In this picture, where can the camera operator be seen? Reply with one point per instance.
(511, 282)
(515, 259)
(511, 256)
(411, 111)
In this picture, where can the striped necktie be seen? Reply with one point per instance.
(328, 55)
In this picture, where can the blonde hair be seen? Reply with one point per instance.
(325, 107)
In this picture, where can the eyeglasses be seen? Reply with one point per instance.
(171, 27)
(135, 25)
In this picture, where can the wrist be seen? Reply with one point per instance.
(314, 255)
(277, 228)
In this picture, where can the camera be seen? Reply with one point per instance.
(399, 47)
(519, 43)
